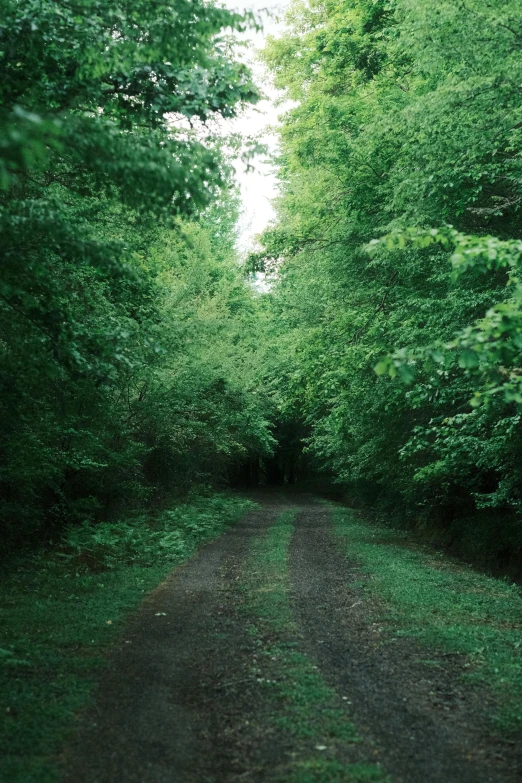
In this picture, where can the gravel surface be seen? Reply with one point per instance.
(173, 704)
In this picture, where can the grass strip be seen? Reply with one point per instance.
(60, 610)
(444, 604)
(309, 713)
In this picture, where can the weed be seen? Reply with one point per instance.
(446, 605)
(306, 709)
(325, 771)
(59, 616)
(169, 537)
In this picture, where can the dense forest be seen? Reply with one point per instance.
(396, 257)
(128, 331)
(138, 360)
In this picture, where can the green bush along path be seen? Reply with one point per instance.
(294, 648)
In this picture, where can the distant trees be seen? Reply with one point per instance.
(126, 330)
(134, 359)
(408, 118)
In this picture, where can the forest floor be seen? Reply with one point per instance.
(302, 646)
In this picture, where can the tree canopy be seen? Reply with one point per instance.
(397, 253)
(137, 360)
(124, 318)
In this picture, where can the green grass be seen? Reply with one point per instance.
(58, 618)
(309, 713)
(446, 605)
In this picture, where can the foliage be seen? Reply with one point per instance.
(126, 330)
(169, 537)
(490, 348)
(406, 115)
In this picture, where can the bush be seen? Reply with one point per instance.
(146, 540)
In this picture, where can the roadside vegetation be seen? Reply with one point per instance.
(127, 330)
(63, 608)
(444, 604)
(314, 719)
(400, 356)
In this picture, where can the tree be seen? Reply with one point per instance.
(112, 308)
(407, 117)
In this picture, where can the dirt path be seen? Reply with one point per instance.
(426, 726)
(177, 688)
(182, 702)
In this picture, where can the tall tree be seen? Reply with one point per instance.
(113, 308)
(407, 118)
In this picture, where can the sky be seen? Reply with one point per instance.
(258, 186)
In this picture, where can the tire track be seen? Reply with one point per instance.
(389, 690)
(174, 701)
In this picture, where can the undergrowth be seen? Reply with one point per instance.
(61, 609)
(444, 604)
(147, 541)
(308, 712)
